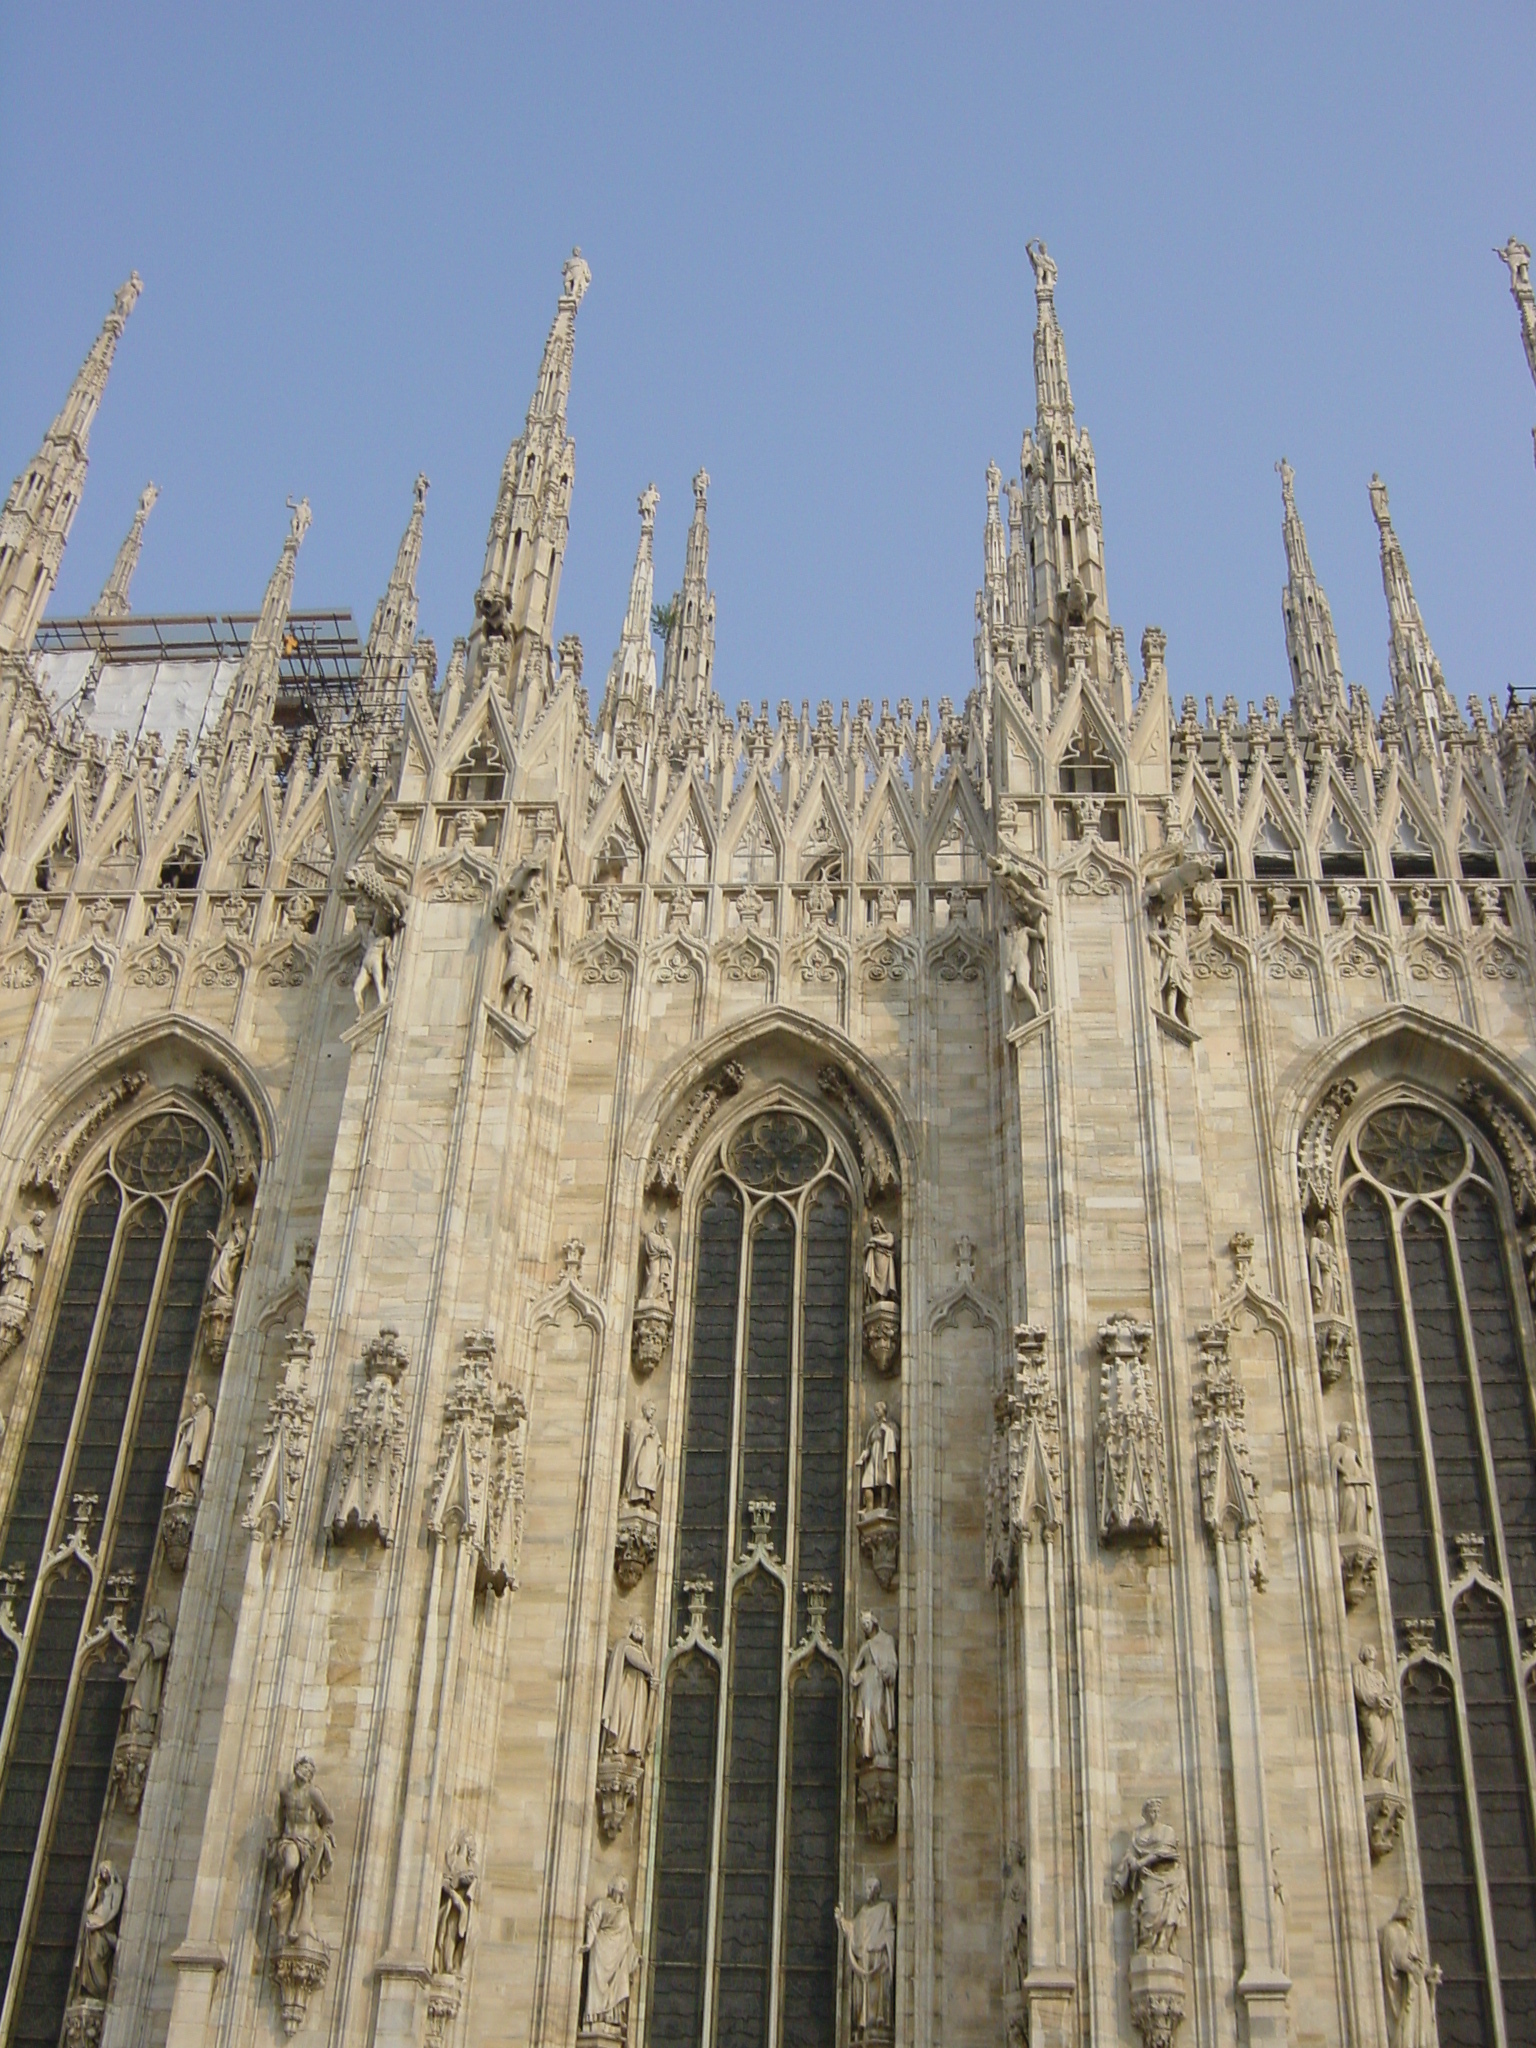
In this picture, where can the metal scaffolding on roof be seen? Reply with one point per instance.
(322, 655)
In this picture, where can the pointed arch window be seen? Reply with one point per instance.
(80, 1530)
(1446, 1366)
(751, 1797)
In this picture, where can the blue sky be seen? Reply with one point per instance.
(806, 228)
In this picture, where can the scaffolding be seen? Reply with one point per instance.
(318, 679)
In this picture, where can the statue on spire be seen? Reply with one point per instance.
(576, 276)
(113, 602)
(1043, 267)
(1517, 257)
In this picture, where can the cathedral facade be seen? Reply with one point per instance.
(815, 1378)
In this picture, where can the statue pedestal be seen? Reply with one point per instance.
(1357, 1560)
(1333, 1348)
(882, 1337)
(634, 1546)
(879, 1538)
(1385, 1807)
(649, 1335)
(1157, 1996)
(301, 1968)
(877, 1800)
(618, 1784)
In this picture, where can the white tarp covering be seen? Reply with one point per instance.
(166, 697)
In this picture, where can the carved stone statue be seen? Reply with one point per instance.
(869, 1942)
(144, 1673)
(1323, 1270)
(519, 909)
(645, 1461)
(302, 1853)
(224, 1275)
(879, 1264)
(1376, 1717)
(19, 1264)
(656, 1289)
(613, 1962)
(1023, 943)
(456, 1906)
(1175, 974)
(1352, 1485)
(1151, 1873)
(98, 1941)
(184, 1474)
(1408, 1982)
(880, 1462)
(628, 1695)
(873, 1685)
(386, 920)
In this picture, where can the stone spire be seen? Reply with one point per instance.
(245, 722)
(1518, 257)
(392, 636)
(1310, 641)
(46, 496)
(1423, 700)
(113, 601)
(632, 674)
(526, 544)
(1052, 576)
(689, 660)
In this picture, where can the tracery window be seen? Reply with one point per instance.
(80, 1529)
(1445, 1349)
(750, 1807)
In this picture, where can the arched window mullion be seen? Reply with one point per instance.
(1398, 1209)
(1503, 1572)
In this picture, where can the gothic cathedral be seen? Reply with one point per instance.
(819, 1378)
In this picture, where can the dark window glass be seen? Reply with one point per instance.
(1506, 1390)
(751, 1805)
(824, 1400)
(1503, 1808)
(711, 1387)
(1447, 1384)
(815, 1810)
(684, 1833)
(765, 1431)
(1445, 1856)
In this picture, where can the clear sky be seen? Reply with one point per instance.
(806, 229)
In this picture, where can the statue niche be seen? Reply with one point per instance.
(645, 1464)
(882, 1304)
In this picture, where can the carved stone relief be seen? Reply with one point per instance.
(1229, 1493)
(1132, 1470)
(19, 1266)
(279, 1470)
(144, 1676)
(669, 1166)
(458, 1894)
(366, 1468)
(478, 1487)
(219, 1302)
(51, 1165)
(1024, 1489)
(877, 1163)
(86, 2013)
(1408, 1981)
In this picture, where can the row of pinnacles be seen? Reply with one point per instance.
(848, 809)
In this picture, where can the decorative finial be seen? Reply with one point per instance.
(572, 1252)
(127, 295)
(1043, 267)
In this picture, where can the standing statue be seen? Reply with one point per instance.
(185, 1472)
(386, 920)
(19, 1264)
(879, 1264)
(1042, 265)
(519, 910)
(229, 1256)
(1351, 1482)
(456, 1906)
(1024, 935)
(869, 1942)
(1175, 976)
(1323, 1270)
(656, 1289)
(144, 1673)
(1376, 1717)
(873, 1687)
(645, 1461)
(880, 1462)
(1408, 1982)
(302, 1852)
(613, 1962)
(98, 1940)
(628, 1695)
(1152, 1873)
